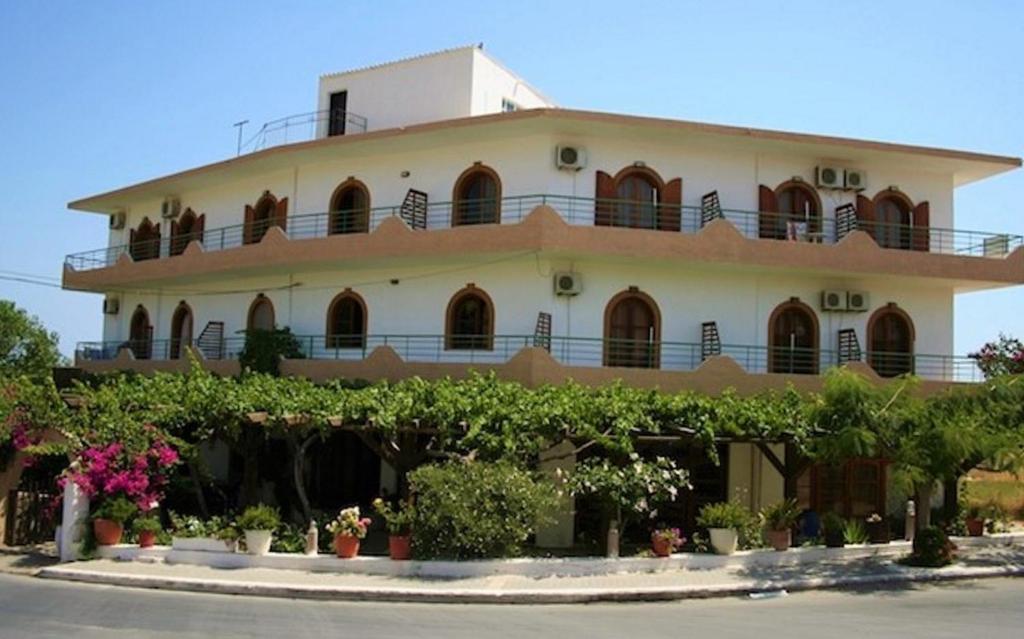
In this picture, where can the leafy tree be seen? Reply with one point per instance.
(1005, 356)
(26, 347)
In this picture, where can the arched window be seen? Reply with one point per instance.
(187, 228)
(268, 212)
(469, 321)
(140, 334)
(891, 342)
(261, 314)
(181, 330)
(892, 220)
(791, 212)
(632, 331)
(638, 198)
(350, 208)
(477, 197)
(793, 339)
(346, 322)
(144, 242)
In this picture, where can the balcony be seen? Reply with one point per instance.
(625, 357)
(576, 211)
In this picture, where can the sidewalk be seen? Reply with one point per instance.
(27, 560)
(519, 589)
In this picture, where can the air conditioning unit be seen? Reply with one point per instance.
(568, 284)
(828, 177)
(856, 180)
(171, 208)
(833, 300)
(117, 221)
(111, 306)
(570, 158)
(857, 301)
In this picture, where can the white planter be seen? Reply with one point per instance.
(203, 544)
(257, 542)
(724, 540)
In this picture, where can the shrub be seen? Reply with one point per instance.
(832, 522)
(147, 523)
(725, 514)
(215, 527)
(119, 509)
(932, 549)
(855, 532)
(289, 538)
(398, 520)
(781, 516)
(477, 509)
(631, 490)
(259, 517)
(264, 349)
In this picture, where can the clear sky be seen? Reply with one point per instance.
(104, 94)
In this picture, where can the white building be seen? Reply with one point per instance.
(445, 215)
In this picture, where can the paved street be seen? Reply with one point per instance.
(36, 608)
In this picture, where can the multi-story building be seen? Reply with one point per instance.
(438, 214)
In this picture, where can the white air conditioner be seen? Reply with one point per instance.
(828, 177)
(833, 300)
(856, 180)
(857, 301)
(568, 284)
(111, 306)
(171, 208)
(570, 158)
(117, 221)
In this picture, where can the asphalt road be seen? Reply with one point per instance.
(38, 609)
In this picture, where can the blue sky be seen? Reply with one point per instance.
(104, 94)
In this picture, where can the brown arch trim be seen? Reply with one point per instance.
(347, 294)
(470, 289)
(460, 182)
(141, 346)
(804, 186)
(332, 207)
(261, 298)
(632, 293)
(645, 171)
(176, 347)
(779, 310)
(894, 194)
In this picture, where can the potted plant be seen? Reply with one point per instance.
(146, 527)
(974, 520)
(108, 520)
(778, 520)
(835, 527)
(878, 529)
(258, 523)
(398, 521)
(666, 540)
(348, 528)
(216, 534)
(855, 533)
(723, 521)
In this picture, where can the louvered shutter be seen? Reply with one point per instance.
(247, 228)
(670, 210)
(921, 239)
(866, 215)
(768, 206)
(281, 214)
(605, 193)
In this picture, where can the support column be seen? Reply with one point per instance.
(562, 531)
(75, 515)
(10, 477)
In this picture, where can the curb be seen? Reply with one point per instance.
(479, 596)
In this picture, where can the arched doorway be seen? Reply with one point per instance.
(892, 220)
(261, 314)
(793, 339)
(469, 321)
(891, 342)
(181, 330)
(790, 212)
(632, 331)
(350, 208)
(140, 334)
(638, 198)
(346, 322)
(268, 212)
(477, 197)
(144, 243)
(189, 227)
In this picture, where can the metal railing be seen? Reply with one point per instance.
(302, 127)
(574, 210)
(569, 351)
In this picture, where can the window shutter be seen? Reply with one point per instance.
(921, 239)
(281, 214)
(670, 211)
(604, 192)
(866, 215)
(200, 226)
(174, 229)
(250, 218)
(768, 206)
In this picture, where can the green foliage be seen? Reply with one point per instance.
(1005, 356)
(26, 347)
(147, 523)
(259, 517)
(832, 521)
(630, 490)
(398, 519)
(932, 549)
(855, 532)
(119, 509)
(217, 527)
(782, 515)
(472, 510)
(264, 349)
(289, 538)
(725, 514)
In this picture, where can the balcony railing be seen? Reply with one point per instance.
(569, 351)
(574, 210)
(302, 127)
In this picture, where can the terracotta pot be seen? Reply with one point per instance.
(780, 539)
(878, 532)
(399, 547)
(147, 538)
(975, 527)
(662, 547)
(346, 546)
(108, 532)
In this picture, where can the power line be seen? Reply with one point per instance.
(25, 280)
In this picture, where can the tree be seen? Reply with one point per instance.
(1005, 356)
(26, 347)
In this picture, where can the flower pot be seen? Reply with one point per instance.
(834, 539)
(346, 546)
(723, 540)
(147, 538)
(108, 532)
(780, 539)
(878, 532)
(975, 527)
(399, 547)
(257, 542)
(662, 547)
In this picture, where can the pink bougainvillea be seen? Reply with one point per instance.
(1004, 356)
(107, 471)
